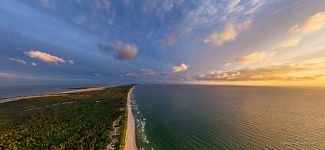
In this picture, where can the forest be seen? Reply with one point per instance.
(82, 120)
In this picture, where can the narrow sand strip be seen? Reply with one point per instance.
(53, 94)
(130, 142)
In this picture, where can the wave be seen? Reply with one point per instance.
(140, 122)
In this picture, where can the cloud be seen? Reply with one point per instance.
(34, 64)
(47, 3)
(311, 69)
(251, 58)
(147, 72)
(130, 75)
(126, 51)
(164, 73)
(20, 49)
(142, 73)
(45, 57)
(290, 43)
(80, 20)
(6, 75)
(70, 62)
(233, 6)
(313, 23)
(180, 68)
(17, 60)
(229, 33)
(160, 8)
(120, 50)
(272, 54)
(210, 13)
(255, 2)
(227, 64)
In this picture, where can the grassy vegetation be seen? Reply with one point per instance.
(123, 128)
(68, 121)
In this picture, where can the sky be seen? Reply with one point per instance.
(249, 42)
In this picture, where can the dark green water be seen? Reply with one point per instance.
(186, 117)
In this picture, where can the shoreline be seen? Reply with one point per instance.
(130, 138)
(5, 100)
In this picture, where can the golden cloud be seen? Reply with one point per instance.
(313, 23)
(229, 33)
(290, 42)
(180, 68)
(311, 69)
(45, 57)
(251, 58)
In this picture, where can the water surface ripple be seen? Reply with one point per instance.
(229, 117)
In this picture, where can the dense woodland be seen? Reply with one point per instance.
(68, 121)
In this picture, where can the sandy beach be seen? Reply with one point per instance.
(130, 141)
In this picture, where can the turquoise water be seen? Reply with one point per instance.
(177, 117)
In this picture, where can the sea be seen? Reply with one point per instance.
(213, 117)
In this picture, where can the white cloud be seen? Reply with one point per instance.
(227, 64)
(233, 6)
(243, 26)
(17, 60)
(142, 73)
(160, 7)
(209, 14)
(147, 72)
(70, 62)
(34, 64)
(131, 75)
(6, 75)
(45, 57)
(255, 2)
(180, 68)
(20, 49)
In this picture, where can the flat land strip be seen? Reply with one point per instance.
(78, 120)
